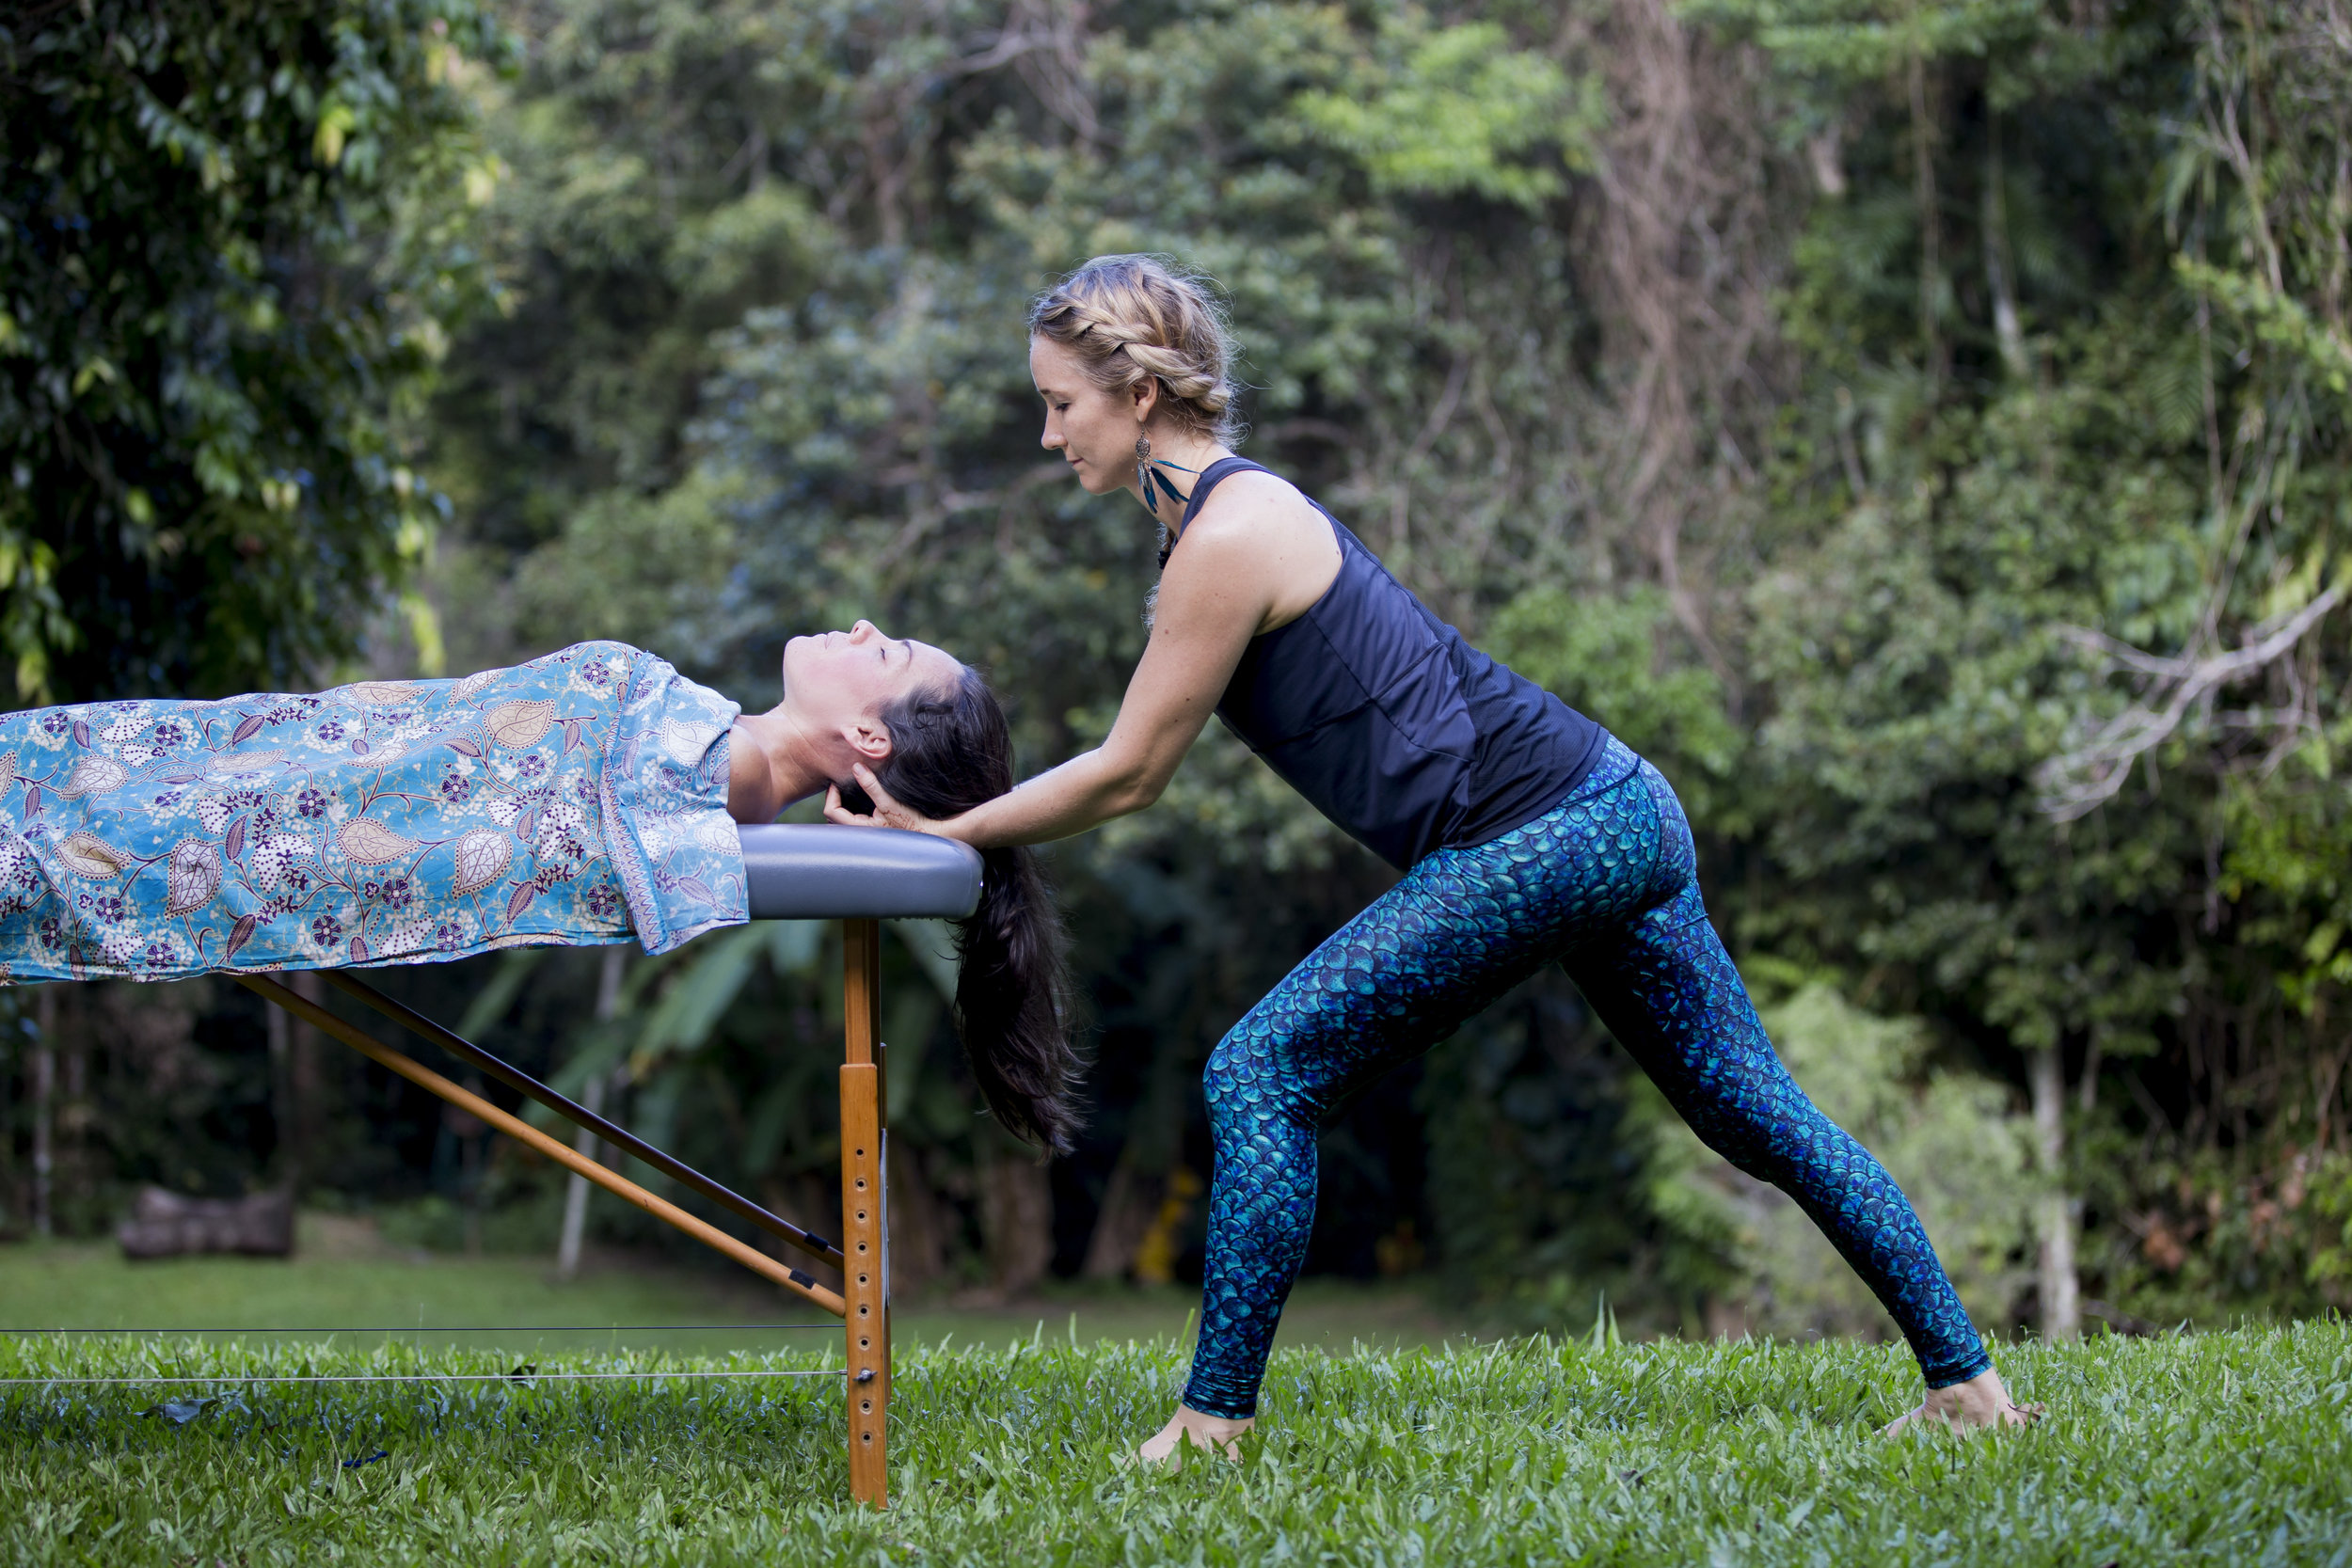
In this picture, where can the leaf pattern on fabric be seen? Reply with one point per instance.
(516, 725)
(192, 875)
(246, 762)
(371, 843)
(482, 856)
(391, 822)
(473, 685)
(91, 776)
(88, 855)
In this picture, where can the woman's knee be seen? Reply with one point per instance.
(1238, 1065)
(1247, 1089)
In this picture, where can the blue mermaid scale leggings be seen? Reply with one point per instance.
(1606, 885)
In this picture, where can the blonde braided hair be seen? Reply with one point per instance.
(1130, 317)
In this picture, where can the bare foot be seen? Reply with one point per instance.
(1980, 1402)
(1213, 1432)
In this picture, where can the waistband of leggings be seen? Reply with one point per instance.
(1616, 763)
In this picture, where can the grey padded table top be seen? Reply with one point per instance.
(825, 872)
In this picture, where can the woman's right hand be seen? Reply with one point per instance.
(888, 813)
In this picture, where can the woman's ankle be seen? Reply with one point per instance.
(1980, 1402)
(1196, 1429)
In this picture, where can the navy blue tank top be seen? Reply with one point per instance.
(1391, 725)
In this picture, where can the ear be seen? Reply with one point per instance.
(870, 739)
(1146, 394)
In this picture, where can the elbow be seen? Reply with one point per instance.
(1136, 791)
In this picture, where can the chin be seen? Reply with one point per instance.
(784, 667)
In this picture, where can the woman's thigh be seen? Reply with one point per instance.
(1459, 930)
(1667, 990)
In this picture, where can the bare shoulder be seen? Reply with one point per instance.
(1258, 528)
(1255, 502)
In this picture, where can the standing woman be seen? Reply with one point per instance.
(1527, 834)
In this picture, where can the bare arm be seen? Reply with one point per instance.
(1239, 569)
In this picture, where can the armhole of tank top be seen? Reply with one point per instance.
(1340, 537)
(1216, 474)
(1343, 541)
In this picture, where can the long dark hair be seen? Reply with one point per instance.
(950, 750)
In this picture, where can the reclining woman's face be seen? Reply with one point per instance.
(838, 683)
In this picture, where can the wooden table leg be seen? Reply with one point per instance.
(866, 1244)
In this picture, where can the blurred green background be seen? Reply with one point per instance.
(1918, 427)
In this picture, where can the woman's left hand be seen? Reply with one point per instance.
(888, 812)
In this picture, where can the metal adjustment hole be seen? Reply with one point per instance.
(865, 1344)
(864, 1311)
(861, 1246)
(861, 1216)
(861, 1155)
(861, 1183)
(865, 1437)
(866, 1406)
(861, 1279)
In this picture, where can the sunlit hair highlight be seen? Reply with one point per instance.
(1132, 317)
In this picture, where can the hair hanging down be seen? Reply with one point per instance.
(950, 751)
(1130, 317)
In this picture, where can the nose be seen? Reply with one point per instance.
(1052, 439)
(863, 632)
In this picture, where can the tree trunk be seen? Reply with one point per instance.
(2008, 330)
(1923, 144)
(281, 1102)
(304, 1102)
(2062, 1291)
(42, 1093)
(918, 1230)
(1129, 1204)
(584, 1142)
(74, 1113)
(1016, 1222)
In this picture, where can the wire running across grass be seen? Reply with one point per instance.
(477, 1328)
(524, 1378)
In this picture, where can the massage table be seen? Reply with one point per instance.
(860, 877)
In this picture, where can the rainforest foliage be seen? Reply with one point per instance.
(1920, 428)
(232, 235)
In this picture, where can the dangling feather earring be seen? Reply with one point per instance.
(1143, 473)
(1155, 484)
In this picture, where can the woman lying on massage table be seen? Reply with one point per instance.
(591, 795)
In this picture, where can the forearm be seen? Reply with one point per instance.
(1089, 790)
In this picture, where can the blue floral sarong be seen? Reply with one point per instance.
(577, 799)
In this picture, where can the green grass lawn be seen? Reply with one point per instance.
(343, 1279)
(2221, 1447)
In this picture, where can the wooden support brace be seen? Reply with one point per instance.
(865, 1214)
(579, 1116)
(563, 1154)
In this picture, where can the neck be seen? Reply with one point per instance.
(775, 764)
(1186, 452)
